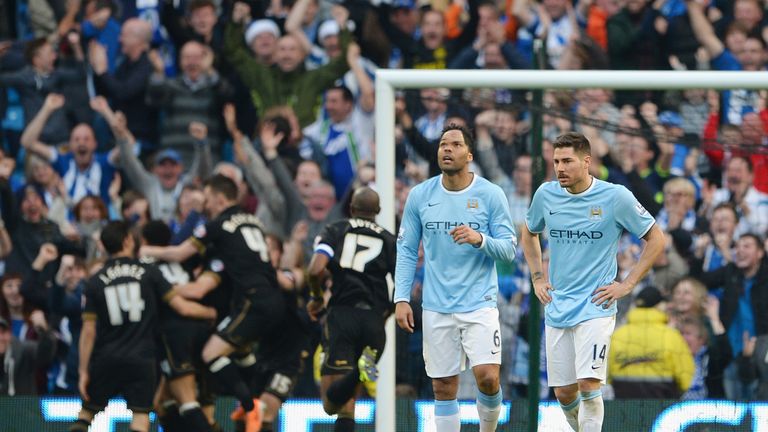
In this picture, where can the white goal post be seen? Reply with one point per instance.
(387, 80)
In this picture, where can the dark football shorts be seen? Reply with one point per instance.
(135, 380)
(280, 357)
(347, 331)
(253, 318)
(183, 341)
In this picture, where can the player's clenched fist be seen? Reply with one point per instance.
(404, 316)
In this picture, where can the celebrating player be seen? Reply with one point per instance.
(465, 225)
(258, 304)
(361, 257)
(585, 218)
(119, 321)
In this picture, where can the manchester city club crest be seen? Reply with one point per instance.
(595, 213)
(473, 204)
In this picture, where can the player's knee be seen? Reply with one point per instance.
(589, 384)
(488, 383)
(208, 354)
(445, 388)
(329, 407)
(566, 394)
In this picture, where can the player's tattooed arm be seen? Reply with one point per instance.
(533, 256)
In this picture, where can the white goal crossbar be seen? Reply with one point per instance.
(387, 80)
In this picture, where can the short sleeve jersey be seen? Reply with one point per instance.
(221, 297)
(362, 261)
(240, 244)
(123, 298)
(175, 274)
(583, 232)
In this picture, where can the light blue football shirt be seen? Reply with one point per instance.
(457, 277)
(583, 231)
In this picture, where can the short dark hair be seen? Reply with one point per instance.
(156, 233)
(575, 140)
(32, 47)
(222, 185)
(104, 4)
(346, 93)
(199, 4)
(753, 236)
(727, 206)
(468, 139)
(113, 236)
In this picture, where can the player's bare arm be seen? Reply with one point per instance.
(532, 252)
(196, 290)
(654, 246)
(87, 339)
(177, 253)
(316, 276)
(191, 309)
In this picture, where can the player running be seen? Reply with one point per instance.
(360, 256)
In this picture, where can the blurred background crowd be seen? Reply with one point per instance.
(118, 109)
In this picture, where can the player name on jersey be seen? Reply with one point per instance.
(362, 223)
(237, 219)
(135, 271)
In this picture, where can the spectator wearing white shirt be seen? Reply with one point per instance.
(751, 204)
(342, 140)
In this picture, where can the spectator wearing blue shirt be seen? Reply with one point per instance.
(750, 58)
(745, 298)
(100, 26)
(83, 171)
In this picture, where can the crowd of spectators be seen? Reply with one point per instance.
(118, 109)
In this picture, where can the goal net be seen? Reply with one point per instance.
(704, 89)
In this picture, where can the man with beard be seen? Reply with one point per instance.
(584, 218)
(464, 223)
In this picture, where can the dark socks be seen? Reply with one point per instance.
(80, 426)
(171, 421)
(247, 367)
(267, 427)
(194, 419)
(227, 375)
(339, 392)
(344, 424)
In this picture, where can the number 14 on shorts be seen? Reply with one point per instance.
(598, 355)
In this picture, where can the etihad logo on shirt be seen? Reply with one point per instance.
(574, 236)
(446, 226)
